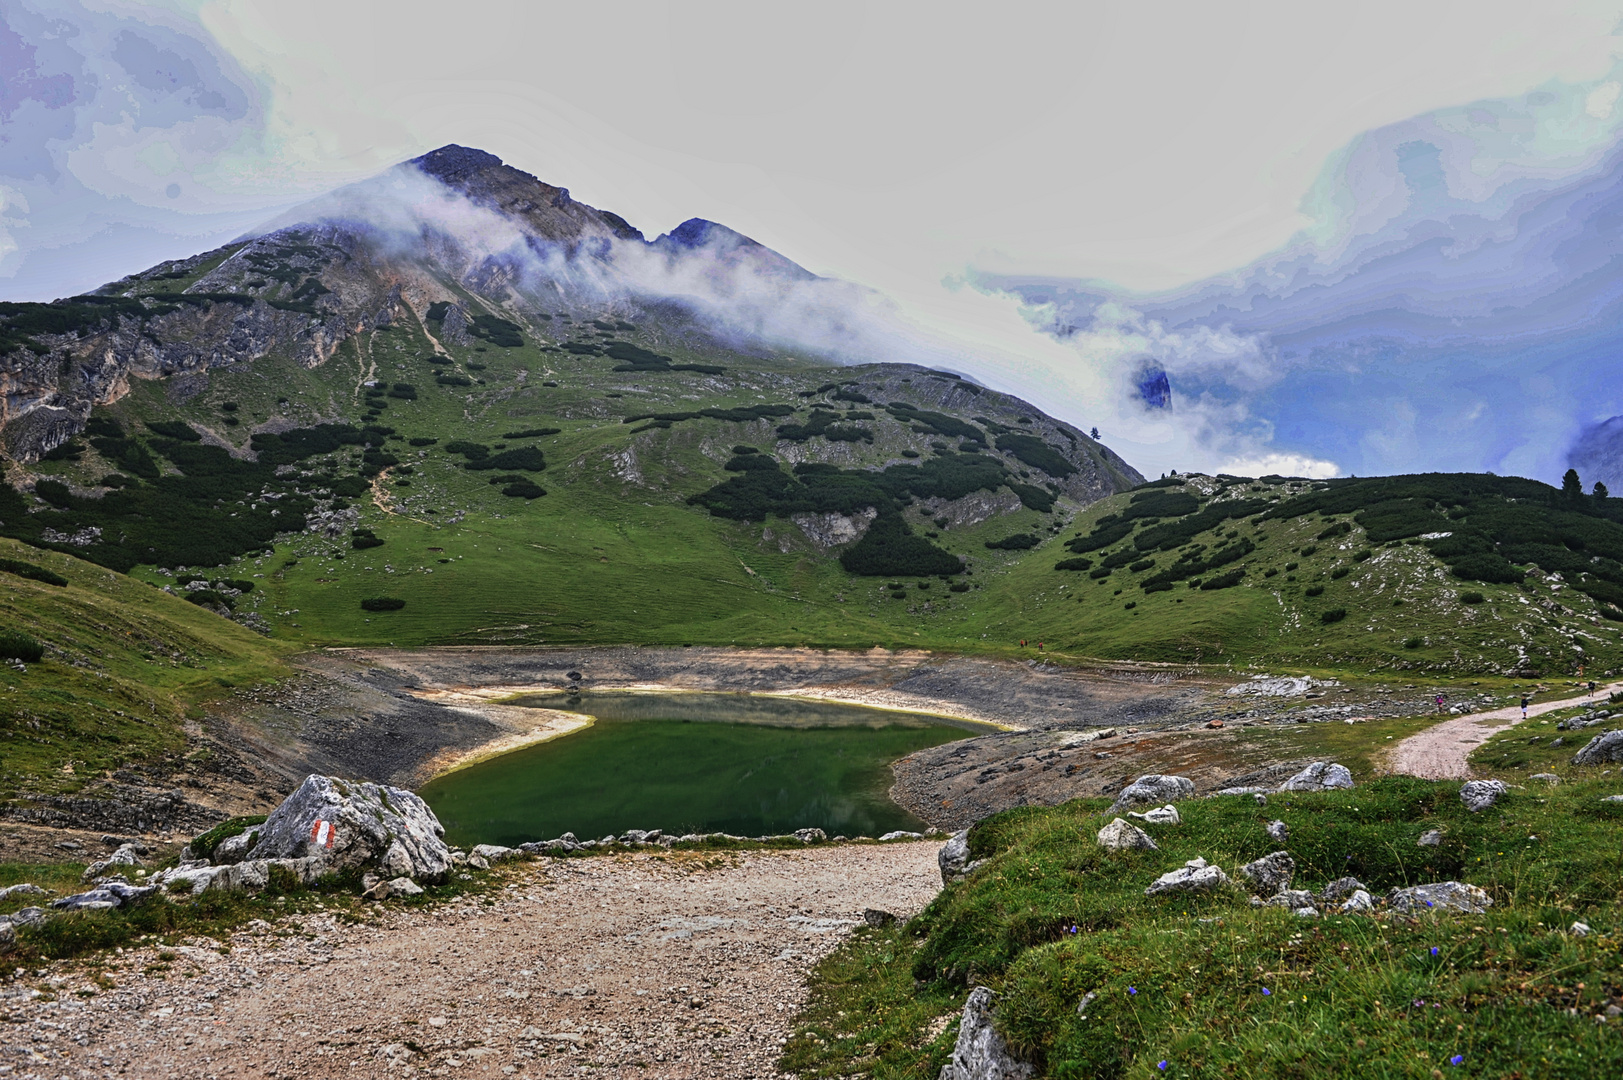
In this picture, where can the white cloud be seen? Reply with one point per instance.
(1281, 465)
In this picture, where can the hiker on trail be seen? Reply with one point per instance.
(1591, 687)
(1022, 643)
(1441, 698)
(1524, 706)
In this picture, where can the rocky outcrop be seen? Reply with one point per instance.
(1441, 896)
(833, 529)
(1161, 815)
(1120, 836)
(1478, 795)
(1270, 874)
(980, 1052)
(1195, 876)
(1602, 749)
(356, 824)
(1153, 790)
(1319, 776)
(126, 855)
(953, 858)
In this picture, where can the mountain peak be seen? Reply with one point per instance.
(451, 163)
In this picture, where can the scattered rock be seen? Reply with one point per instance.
(1359, 901)
(902, 834)
(1249, 790)
(953, 858)
(1295, 899)
(1579, 929)
(1341, 888)
(876, 917)
(1430, 838)
(8, 936)
(404, 886)
(1319, 776)
(1271, 874)
(1612, 798)
(110, 894)
(1120, 836)
(810, 836)
(25, 889)
(1153, 790)
(981, 1053)
(1194, 876)
(1601, 749)
(1547, 777)
(371, 825)
(126, 855)
(1279, 832)
(1161, 815)
(1478, 795)
(1444, 895)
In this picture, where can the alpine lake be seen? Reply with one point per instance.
(693, 763)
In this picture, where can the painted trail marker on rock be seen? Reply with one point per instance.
(323, 833)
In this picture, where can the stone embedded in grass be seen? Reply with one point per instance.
(1279, 832)
(980, 1052)
(1478, 795)
(1547, 777)
(953, 858)
(126, 855)
(1359, 902)
(1161, 815)
(1154, 790)
(1271, 874)
(1441, 896)
(1430, 838)
(1194, 876)
(1340, 888)
(1601, 749)
(1319, 776)
(1120, 836)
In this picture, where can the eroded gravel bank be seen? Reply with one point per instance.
(646, 965)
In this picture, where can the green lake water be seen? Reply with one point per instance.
(684, 763)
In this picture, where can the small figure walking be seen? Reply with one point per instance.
(1524, 706)
(1441, 699)
(1591, 687)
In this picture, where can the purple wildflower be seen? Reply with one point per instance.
(1267, 992)
(1457, 1059)
(1434, 950)
(1132, 989)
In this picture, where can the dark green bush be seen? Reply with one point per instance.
(889, 548)
(453, 380)
(1471, 596)
(203, 845)
(1362, 554)
(1334, 615)
(1038, 454)
(1313, 590)
(361, 539)
(1017, 542)
(1074, 564)
(1223, 581)
(17, 645)
(1340, 572)
(532, 433)
(1340, 528)
(524, 489)
(382, 603)
(205, 597)
(1413, 643)
(29, 570)
(422, 440)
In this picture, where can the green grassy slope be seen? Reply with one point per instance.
(124, 664)
(1196, 986)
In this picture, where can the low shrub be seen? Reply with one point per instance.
(361, 539)
(1334, 615)
(17, 645)
(1340, 528)
(1017, 542)
(1074, 564)
(1222, 581)
(524, 489)
(1362, 554)
(382, 603)
(1313, 590)
(1471, 596)
(32, 572)
(1340, 572)
(1413, 643)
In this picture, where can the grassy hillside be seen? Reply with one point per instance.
(1094, 979)
(123, 666)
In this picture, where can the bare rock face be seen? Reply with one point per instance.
(1319, 776)
(1442, 896)
(1270, 874)
(953, 858)
(974, 508)
(366, 825)
(1478, 795)
(1601, 749)
(832, 529)
(981, 1053)
(1153, 790)
(1120, 836)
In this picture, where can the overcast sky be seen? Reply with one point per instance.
(1147, 144)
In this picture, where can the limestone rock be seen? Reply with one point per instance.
(1442, 896)
(953, 858)
(1279, 832)
(1194, 876)
(981, 1053)
(371, 825)
(1548, 777)
(877, 917)
(832, 529)
(404, 886)
(27, 888)
(1430, 838)
(1319, 776)
(1120, 836)
(28, 916)
(1295, 899)
(1161, 815)
(1153, 790)
(110, 894)
(495, 853)
(234, 848)
(1358, 902)
(810, 836)
(8, 936)
(902, 834)
(1601, 749)
(1341, 888)
(1478, 795)
(1270, 874)
(126, 855)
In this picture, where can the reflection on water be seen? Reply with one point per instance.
(693, 763)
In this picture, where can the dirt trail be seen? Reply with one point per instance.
(648, 966)
(1440, 752)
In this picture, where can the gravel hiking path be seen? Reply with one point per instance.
(679, 965)
(1440, 752)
